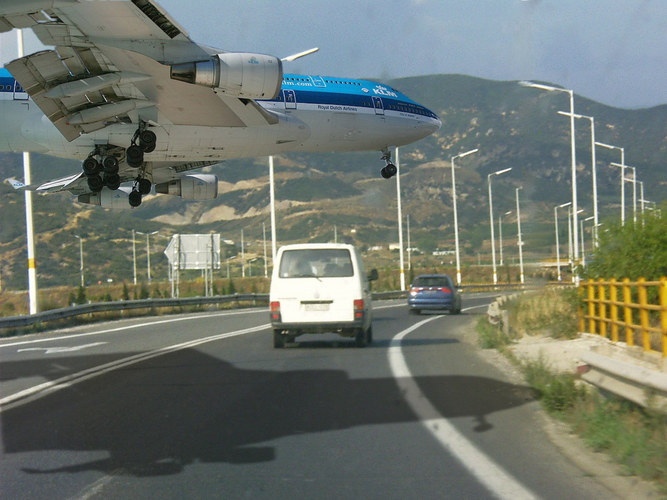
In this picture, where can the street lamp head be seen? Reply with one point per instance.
(499, 172)
(608, 146)
(567, 113)
(466, 153)
(540, 86)
(565, 204)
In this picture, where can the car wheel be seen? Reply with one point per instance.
(278, 339)
(360, 339)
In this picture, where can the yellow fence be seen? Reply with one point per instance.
(634, 312)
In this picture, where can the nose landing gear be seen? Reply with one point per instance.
(389, 170)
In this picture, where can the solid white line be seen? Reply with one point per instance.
(487, 472)
(41, 390)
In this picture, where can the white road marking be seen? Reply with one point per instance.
(487, 472)
(131, 327)
(41, 390)
(52, 350)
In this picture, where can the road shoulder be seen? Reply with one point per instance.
(594, 464)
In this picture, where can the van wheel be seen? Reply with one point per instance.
(278, 339)
(361, 338)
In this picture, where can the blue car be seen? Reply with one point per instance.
(433, 292)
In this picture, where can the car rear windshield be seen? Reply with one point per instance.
(431, 281)
(319, 263)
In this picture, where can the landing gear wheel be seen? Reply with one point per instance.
(135, 199)
(91, 166)
(147, 140)
(112, 181)
(110, 165)
(144, 186)
(389, 171)
(134, 156)
(95, 183)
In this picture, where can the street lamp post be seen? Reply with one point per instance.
(456, 220)
(33, 296)
(500, 235)
(594, 173)
(583, 246)
(400, 221)
(80, 258)
(148, 254)
(573, 158)
(622, 165)
(493, 244)
(557, 243)
(571, 240)
(272, 195)
(519, 240)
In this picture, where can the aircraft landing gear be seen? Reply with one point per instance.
(134, 155)
(140, 188)
(389, 170)
(101, 169)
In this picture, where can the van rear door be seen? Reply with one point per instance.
(317, 285)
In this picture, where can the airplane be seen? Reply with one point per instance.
(126, 91)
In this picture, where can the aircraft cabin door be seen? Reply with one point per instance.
(378, 105)
(290, 99)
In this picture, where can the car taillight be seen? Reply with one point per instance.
(275, 311)
(445, 289)
(358, 308)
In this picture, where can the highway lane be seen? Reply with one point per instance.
(234, 418)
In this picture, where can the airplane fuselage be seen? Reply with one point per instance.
(313, 113)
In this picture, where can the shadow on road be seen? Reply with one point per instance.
(156, 417)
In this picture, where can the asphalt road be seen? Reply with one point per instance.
(202, 406)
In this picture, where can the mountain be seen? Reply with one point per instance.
(318, 194)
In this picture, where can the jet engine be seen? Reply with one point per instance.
(239, 74)
(191, 187)
(107, 198)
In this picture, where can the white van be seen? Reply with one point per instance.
(318, 288)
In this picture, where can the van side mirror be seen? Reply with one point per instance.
(373, 275)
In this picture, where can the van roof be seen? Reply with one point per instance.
(306, 246)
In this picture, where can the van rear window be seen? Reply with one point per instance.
(316, 262)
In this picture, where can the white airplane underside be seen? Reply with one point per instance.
(140, 102)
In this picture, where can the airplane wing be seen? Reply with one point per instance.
(113, 62)
(76, 184)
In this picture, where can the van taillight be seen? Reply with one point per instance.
(275, 311)
(358, 308)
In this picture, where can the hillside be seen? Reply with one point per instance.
(512, 126)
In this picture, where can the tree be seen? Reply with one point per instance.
(633, 250)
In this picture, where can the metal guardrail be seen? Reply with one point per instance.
(603, 305)
(126, 305)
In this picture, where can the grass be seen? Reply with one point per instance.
(633, 436)
(550, 310)
(491, 336)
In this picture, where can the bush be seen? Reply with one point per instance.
(633, 250)
(557, 392)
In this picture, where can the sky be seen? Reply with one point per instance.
(611, 51)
